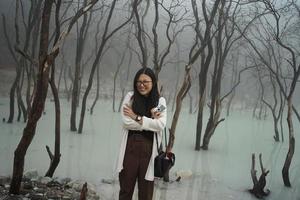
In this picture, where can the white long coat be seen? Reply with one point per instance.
(156, 125)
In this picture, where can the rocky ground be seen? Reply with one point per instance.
(36, 187)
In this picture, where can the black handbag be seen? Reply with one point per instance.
(163, 161)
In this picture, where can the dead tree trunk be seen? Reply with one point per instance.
(180, 96)
(97, 90)
(55, 159)
(98, 66)
(21, 104)
(289, 156)
(83, 192)
(115, 79)
(259, 185)
(177, 76)
(78, 75)
(18, 71)
(235, 59)
(14, 85)
(38, 102)
(273, 108)
(123, 87)
(206, 39)
(215, 100)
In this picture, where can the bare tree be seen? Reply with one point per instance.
(140, 35)
(45, 62)
(225, 38)
(206, 56)
(276, 105)
(82, 35)
(21, 61)
(276, 30)
(38, 102)
(193, 56)
(105, 38)
(55, 159)
(295, 75)
(167, 15)
(102, 17)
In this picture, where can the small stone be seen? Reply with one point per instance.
(54, 184)
(66, 197)
(184, 173)
(4, 180)
(28, 185)
(40, 190)
(37, 196)
(35, 188)
(107, 181)
(53, 196)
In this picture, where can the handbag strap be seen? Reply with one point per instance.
(157, 139)
(165, 130)
(156, 142)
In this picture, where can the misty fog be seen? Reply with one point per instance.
(239, 60)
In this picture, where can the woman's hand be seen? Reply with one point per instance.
(128, 112)
(155, 114)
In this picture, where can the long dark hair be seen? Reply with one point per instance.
(142, 105)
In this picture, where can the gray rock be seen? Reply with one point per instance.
(63, 180)
(31, 174)
(45, 180)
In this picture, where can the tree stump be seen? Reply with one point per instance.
(258, 185)
(84, 191)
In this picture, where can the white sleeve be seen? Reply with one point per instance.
(159, 124)
(129, 123)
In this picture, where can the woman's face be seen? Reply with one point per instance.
(144, 84)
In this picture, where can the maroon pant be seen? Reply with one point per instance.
(137, 156)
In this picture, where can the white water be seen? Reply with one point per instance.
(221, 173)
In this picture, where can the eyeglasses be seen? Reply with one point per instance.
(139, 83)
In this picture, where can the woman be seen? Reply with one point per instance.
(138, 147)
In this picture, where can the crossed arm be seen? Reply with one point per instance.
(156, 123)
